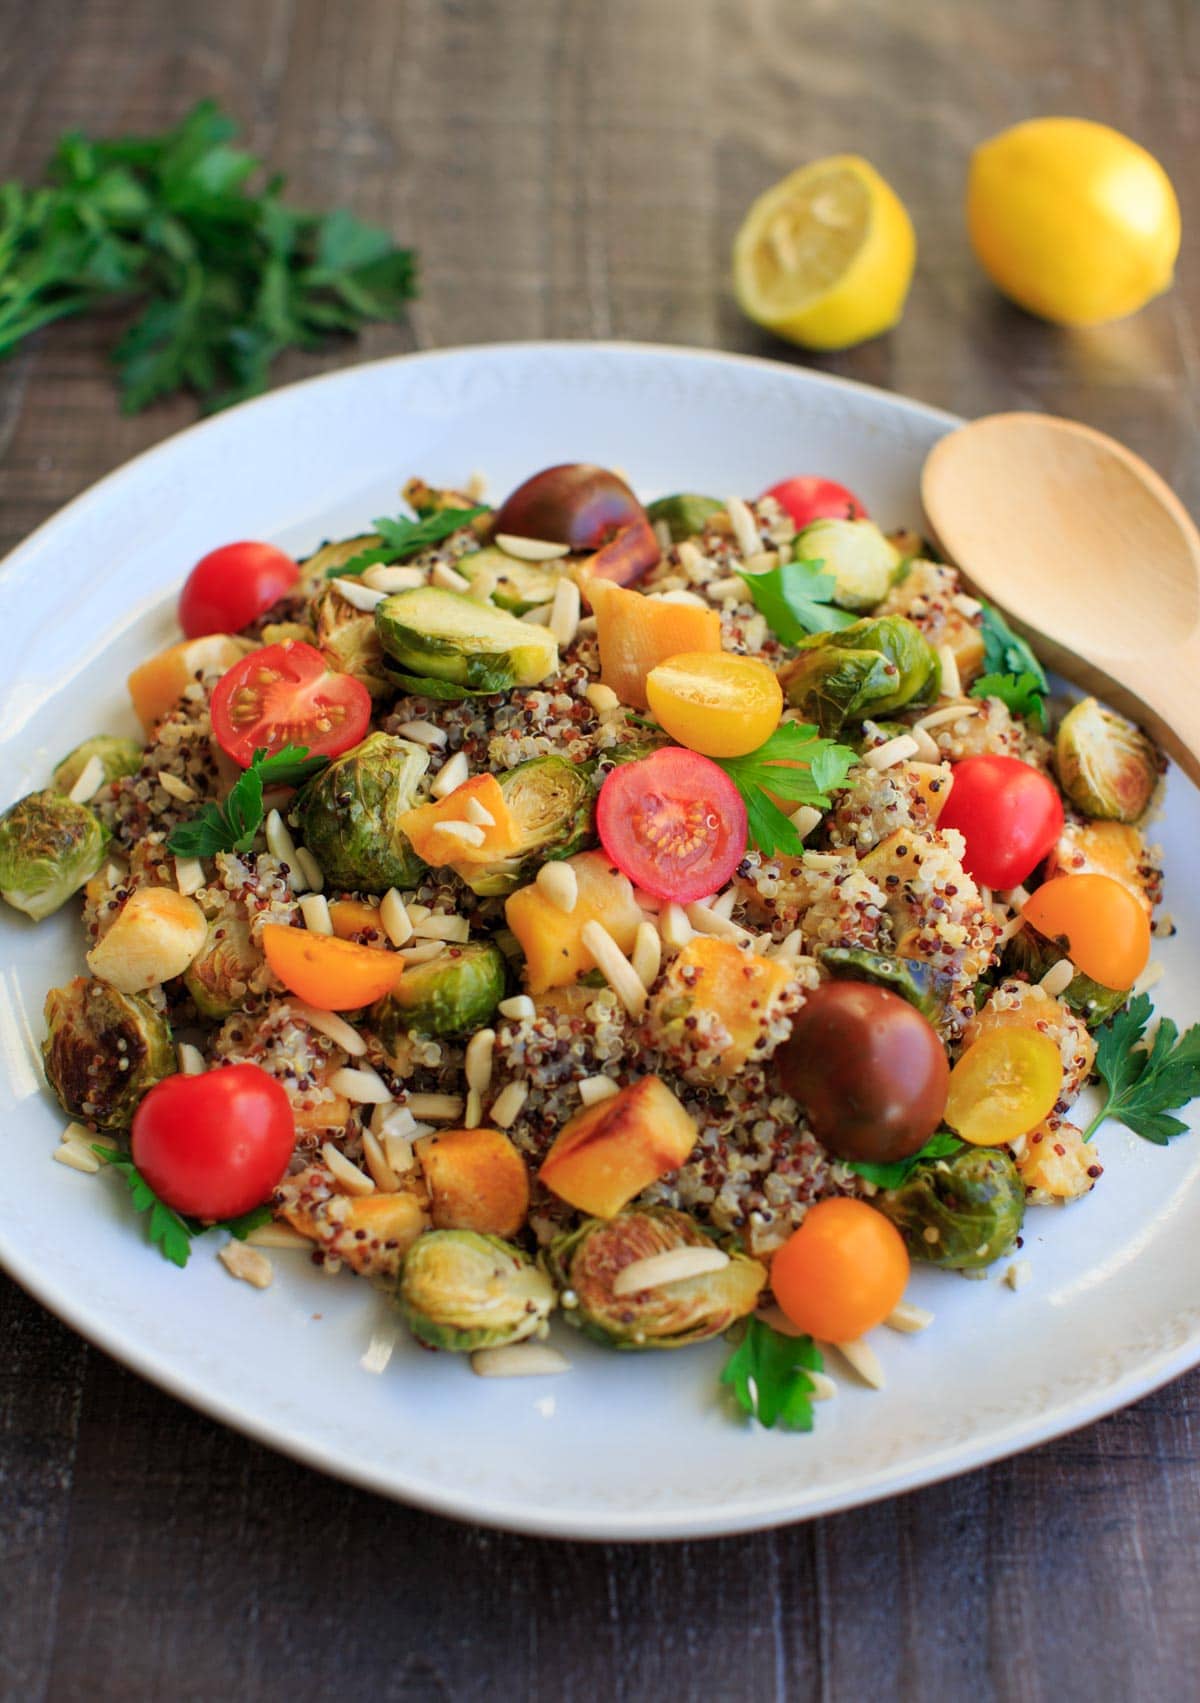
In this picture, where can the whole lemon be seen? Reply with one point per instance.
(1072, 220)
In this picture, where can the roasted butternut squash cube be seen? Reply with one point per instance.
(352, 918)
(431, 829)
(156, 685)
(552, 939)
(610, 1152)
(741, 989)
(1116, 849)
(371, 1233)
(636, 633)
(476, 1180)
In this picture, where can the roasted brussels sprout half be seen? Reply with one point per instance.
(452, 994)
(425, 500)
(962, 1212)
(219, 979)
(586, 1262)
(553, 806)
(515, 585)
(858, 556)
(1030, 954)
(103, 1050)
(349, 814)
(335, 553)
(919, 983)
(117, 757)
(1107, 767)
(447, 635)
(461, 1291)
(49, 848)
(870, 668)
(684, 514)
(348, 640)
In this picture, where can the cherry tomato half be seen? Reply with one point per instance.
(808, 497)
(868, 1069)
(331, 974)
(715, 703)
(674, 823)
(1009, 814)
(214, 1146)
(285, 695)
(1103, 929)
(232, 586)
(841, 1273)
(1003, 1086)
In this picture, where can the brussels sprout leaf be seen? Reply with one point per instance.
(823, 766)
(1014, 672)
(231, 826)
(795, 599)
(403, 537)
(168, 1231)
(939, 1146)
(768, 1374)
(1146, 1083)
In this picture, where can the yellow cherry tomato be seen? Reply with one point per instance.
(825, 256)
(715, 703)
(1003, 1086)
(1099, 924)
(841, 1273)
(1071, 219)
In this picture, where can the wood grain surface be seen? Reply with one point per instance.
(577, 169)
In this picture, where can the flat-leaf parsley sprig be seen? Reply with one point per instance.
(796, 764)
(170, 1233)
(768, 1374)
(1146, 1083)
(796, 599)
(403, 537)
(1014, 674)
(232, 825)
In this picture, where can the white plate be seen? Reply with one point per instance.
(623, 1446)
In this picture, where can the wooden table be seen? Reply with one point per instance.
(578, 170)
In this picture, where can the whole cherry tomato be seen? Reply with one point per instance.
(808, 497)
(674, 823)
(1101, 926)
(1009, 813)
(285, 695)
(232, 586)
(868, 1070)
(841, 1273)
(214, 1146)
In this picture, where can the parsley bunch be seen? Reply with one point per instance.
(171, 1234)
(403, 537)
(231, 826)
(226, 276)
(1146, 1083)
(795, 764)
(768, 1375)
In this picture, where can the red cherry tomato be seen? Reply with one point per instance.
(808, 497)
(214, 1146)
(232, 586)
(674, 823)
(1008, 813)
(284, 695)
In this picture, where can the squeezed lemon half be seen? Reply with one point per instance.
(826, 256)
(1072, 220)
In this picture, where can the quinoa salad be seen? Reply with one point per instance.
(673, 919)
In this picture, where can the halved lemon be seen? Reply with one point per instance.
(825, 258)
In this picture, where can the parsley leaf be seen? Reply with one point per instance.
(403, 537)
(226, 276)
(167, 1230)
(939, 1146)
(231, 826)
(1014, 673)
(768, 1374)
(795, 599)
(795, 764)
(1145, 1084)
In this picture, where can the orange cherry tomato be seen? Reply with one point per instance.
(841, 1273)
(715, 703)
(1003, 1086)
(1102, 928)
(332, 974)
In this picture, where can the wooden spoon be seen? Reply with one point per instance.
(1093, 557)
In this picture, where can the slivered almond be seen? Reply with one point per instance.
(329, 1024)
(448, 580)
(518, 1360)
(352, 1180)
(805, 819)
(89, 782)
(361, 1086)
(531, 549)
(280, 1236)
(453, 772)
(380, 1349)
(671, 1267)
(647, 953)
(862, 1358)
(506, 1107)
(1058, 978)
(395, 919)
(951, 682)
(176, 788)
(479, 814)
(518, 1007)
(558, 883)
(77, 1156)
(745, 527)
(615, 967)
(706, 921)
(565, 611)
(191, 1059)
(939, 718)
(424, 953)
(387, 577)
(673, 925)
(906, 1316)
(314, 908)
(892, 751)
(467, 833)
(378, 1164)
(438, 1108)
(359, 596)
(310, 869)
(481, 1050)
(442, 927)
(422, 733)
(247, 1264)
(593, 1089)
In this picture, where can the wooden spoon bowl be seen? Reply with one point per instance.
(1091, 555)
